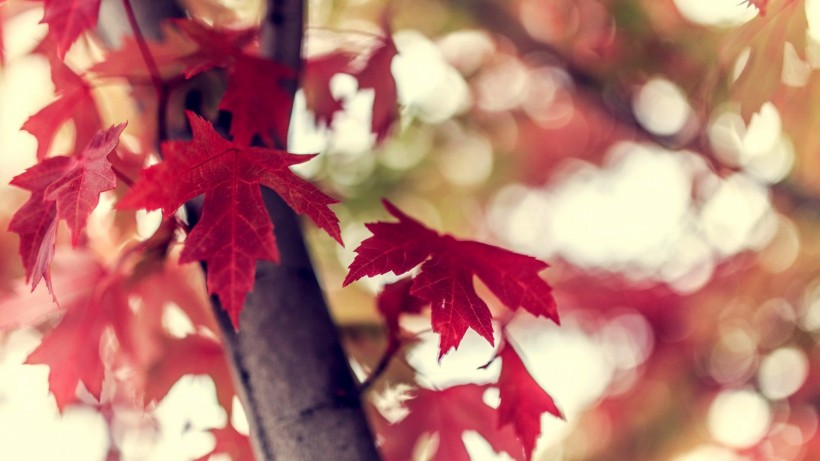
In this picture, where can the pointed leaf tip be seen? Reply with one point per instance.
(234, 230)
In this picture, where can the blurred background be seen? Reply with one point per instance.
(660, 155)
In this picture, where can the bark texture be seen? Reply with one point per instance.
(290, 371)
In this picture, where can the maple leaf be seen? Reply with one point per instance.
(445, 279)
(67, 19)
(72, 349)
(234, 230)
(61, 187)
(376, 75)
(149, 355)
(231, 442)
(447, 413)
(256, 95)
(74, 102)
(170, 56)
(217, 47)
(188, 47)
(97, 300)
(191, 355)
(257, 100)
(319, 71)
(75, 274)
(759, 4)
(455, 304)
(77, 192)
(36, 221)
(523, 400)
(764, 39)
(395, 299)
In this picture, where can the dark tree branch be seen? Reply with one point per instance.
(289, 368)
(293, 376)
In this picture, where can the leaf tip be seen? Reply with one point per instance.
(349, 278)
(392, 209)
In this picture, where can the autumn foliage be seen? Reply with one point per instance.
(234, 230)
(547, 92)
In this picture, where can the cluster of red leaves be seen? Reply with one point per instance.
(101, 333)
(258, 107)
(111, 324)
(374, 75)
(445, 282)
(512, 428)
(446, 413)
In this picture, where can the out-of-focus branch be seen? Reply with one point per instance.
(497, 17)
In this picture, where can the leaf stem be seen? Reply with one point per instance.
(392, 347)
(156, 79)
(122, 176)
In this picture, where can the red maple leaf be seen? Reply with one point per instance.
(234, 230)
(132, 308)
(760, 5)
(74, 102)
(67, 19)
(395, 299)
(231, 442)
(77, 192)
(61, 187)
(72, 349)
(36, 221)
(188, 47)
(376, 75)
(170, 56)
(523, 400)
(148, 354)
(217, 47)
(256, 94)
(191, 355)
(446, 277)
(319, 70)
(258, 100)
(96, 301)
(447, 413)
(75, 274)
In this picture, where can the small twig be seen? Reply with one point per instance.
(156, 79)
(381, 367)
(122, 177)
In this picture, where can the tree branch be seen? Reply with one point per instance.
(293, 376)
(289, 368)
